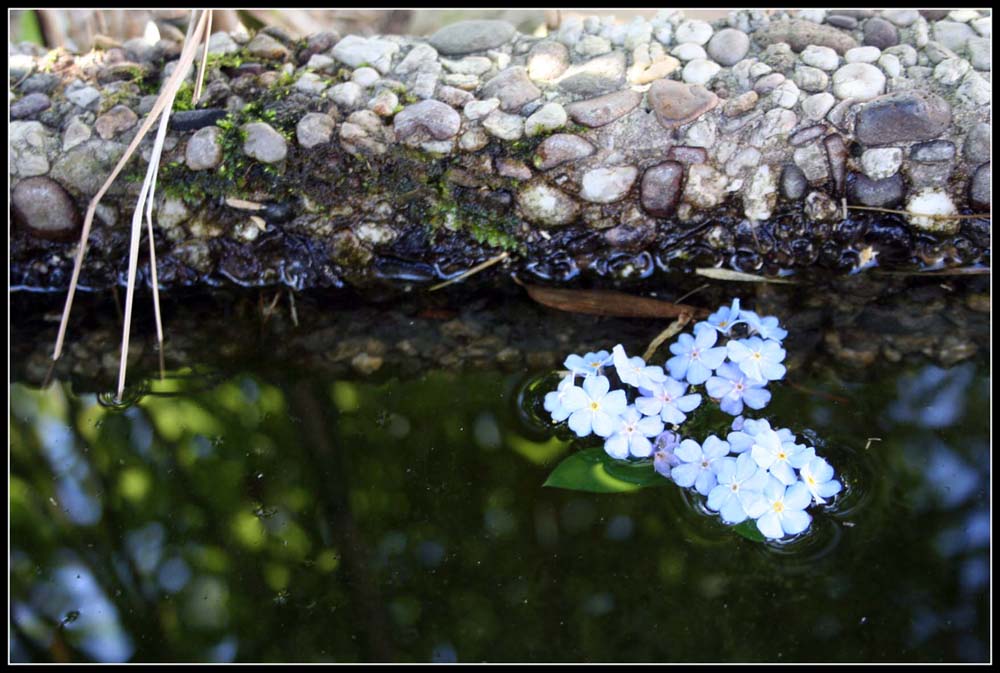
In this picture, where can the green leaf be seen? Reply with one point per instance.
(749, 530)
(595, 471)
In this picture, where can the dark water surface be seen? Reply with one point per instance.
(279, 515)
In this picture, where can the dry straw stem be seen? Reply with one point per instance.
(163, 102)
(471, 272)
(674, 327)
(727, 274)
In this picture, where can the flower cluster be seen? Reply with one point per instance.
(755, 472)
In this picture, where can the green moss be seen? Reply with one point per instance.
(184, 97)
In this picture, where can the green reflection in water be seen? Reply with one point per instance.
(276, 517)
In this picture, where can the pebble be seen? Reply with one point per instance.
(820, 207)
(84, 97)
(816, 106)
(429, 117)
(687, 154)
(806, 135)
(314, 129)
(880, 33)
(728, 46)
(935, 53)
(906, 54)
(979, 189)
(700, 71)
(470, 65)
(761, 194)
(76, 132)
(890, 65)
(786, 94)
(602, 110)
(980, 53)
(29, 105)
(639, 31)
(465, 37)
(477, 109)
(455, 97)
(658, 69)
(811, 79)
(861, 81)
(660, 189)
(698, 32)
(901, 17)
(793, 182)
(689, 51)
(741, 104)
(560, 148)
(950, 71)
(546, 205)
(675, 103)
(549, 117)
(503, 125)
(357, 51)
(974, 90)
(41, 205)
(326, 63)
(705, 187)
(983, 26)
(932, 202)
(862, 55)
(222, 43)
(885, 193)
(776, 123)
(513, 168)
(963, 15)
(811, 159)
(384, 103)
(801, 34)
(952, 34)
(976, 148)
(933, 151)
(902, 117)
(365, 77)
(418, 58)
(263, 143)
(264, 46)
(841, 21)
(547, 60)
(592, 45)
(595, 77)
(114, 121)
(204, 149)
(311, 83)
(746, 159)
(607, 185)
(823, 58)
(881, 163)
(513, 87)
(768, 83)
(473, 140)
(348, 95)
(84, 168)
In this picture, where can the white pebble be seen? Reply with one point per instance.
(689, 51)
(699, 32)
(858, 80)
(823, 58)
(883, 162)
(862, 55)
(700, 71)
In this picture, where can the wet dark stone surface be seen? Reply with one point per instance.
(192, 120)
(885, 193)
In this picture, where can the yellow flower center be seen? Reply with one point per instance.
(779, 507)
(811, 480)
(595, 406)
(756, 355)
(782, 455)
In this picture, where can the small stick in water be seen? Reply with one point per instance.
(471, 272)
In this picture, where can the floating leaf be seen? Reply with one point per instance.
(729, 274)
(610, 303)
(749, 530)
(593, 470)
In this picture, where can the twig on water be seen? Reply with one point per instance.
(471, 272)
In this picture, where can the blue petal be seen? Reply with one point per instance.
(580, 422)
(616, 446)
(770, 526)
(732, 511)
(756, 398)
(684, 475)
(794, 522)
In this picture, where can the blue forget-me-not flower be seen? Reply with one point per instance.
(785, 513)
(734, 388)
(668, 401)
(632, 433)
(698, 463)
(594, 408)
(694, 356)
